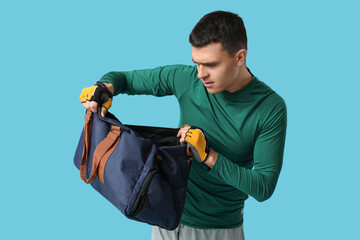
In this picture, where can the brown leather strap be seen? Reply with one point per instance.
(87, 135)
(104, 150)
(101, 153)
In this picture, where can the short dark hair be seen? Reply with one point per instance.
(220, 26)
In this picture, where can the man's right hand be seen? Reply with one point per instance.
(100, 93)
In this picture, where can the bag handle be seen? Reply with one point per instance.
(101, 153)
(104, 150)
(87, 135)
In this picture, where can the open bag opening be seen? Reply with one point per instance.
(161, 136)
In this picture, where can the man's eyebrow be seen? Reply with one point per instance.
(205, 63)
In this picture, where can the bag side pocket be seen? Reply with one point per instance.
(140, 200)
(154, 202)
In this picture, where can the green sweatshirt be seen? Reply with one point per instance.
(246, 128)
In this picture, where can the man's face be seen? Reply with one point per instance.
(217, 70)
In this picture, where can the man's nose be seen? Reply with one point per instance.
(202, 73)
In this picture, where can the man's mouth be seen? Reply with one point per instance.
(208, 84)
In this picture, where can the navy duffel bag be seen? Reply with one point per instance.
(141, 170)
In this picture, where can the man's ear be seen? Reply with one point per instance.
(240, 57)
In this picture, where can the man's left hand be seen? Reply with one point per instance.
(197, 142)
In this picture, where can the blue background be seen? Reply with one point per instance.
(308, 51)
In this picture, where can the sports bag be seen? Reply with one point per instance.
(143, 171)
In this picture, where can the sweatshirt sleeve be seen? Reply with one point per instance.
(260, 181)
(160, 81)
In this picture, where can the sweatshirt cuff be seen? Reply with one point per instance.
(116, 80)
(216, 169)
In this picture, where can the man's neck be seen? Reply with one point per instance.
(244, 78)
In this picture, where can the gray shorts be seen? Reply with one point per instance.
(183, 232)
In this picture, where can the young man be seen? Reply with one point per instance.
(239, 149)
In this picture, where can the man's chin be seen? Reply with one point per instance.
(212, 90)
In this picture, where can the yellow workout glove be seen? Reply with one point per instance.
(198, 144)
(98, 93)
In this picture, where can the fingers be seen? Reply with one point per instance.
(179, 133)
(86, 105)
(103, 111)
(183, 128)
(90, 106)
(93, 106)
(182, 132)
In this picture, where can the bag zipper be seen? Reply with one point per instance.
(141, 198)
